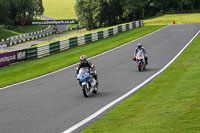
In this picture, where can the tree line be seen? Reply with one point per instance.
(17, 10)
(101, 13)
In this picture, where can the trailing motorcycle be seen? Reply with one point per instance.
(140, 59)
(87, 82)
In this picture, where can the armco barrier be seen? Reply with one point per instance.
(43, 50)
(29, 36)
(130, 26)
(31, 53)
(81, 40)
(137, 23)
(100, 35)
(110, 32)
(127, 26)
(22, 38)
(88, 38)
(123, 27)
(94, 36)
(140, 23)
(54, 47)
(48, 49)
(119, 29)
(105, 34)
(64, 44)
(134, 24)
(73, 42)
(115, 30)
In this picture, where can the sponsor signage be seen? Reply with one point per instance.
(12, 57)
(47, 22)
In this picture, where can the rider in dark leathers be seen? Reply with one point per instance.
(85, 63)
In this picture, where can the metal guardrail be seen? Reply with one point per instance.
(48, 49)
(30, 36)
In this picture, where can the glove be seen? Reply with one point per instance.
(134, 58)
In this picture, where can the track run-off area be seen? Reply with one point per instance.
(55, 103)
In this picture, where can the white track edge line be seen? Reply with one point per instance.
(77, 63)
(76, 126)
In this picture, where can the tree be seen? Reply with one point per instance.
(134, 9)
(97, 13)
(3, 12)
(84, 13)
(17, 10)
(101, 13)
(39, 7)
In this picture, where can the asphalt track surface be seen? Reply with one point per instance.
(54, 103)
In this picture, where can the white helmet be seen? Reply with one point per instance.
(139, 44)
(83, 59)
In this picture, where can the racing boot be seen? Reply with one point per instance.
(146, 60)
(95, 77)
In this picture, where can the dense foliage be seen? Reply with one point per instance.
(17, 10)
(101, 13)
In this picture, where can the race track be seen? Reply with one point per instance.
(54, 103)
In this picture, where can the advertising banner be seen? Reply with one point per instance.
(12, 57)
(47, 22)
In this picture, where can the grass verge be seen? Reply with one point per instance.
(168, 104)
(30, 28)
(5, 33)
(60, 9)
(178, 18)
(34, 68)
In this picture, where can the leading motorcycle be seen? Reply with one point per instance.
(87, 82)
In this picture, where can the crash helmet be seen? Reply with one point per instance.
(139, 45)
(83, 59)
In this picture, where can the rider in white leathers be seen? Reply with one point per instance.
(140, 48)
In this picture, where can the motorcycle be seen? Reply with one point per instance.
(140, 59)
(87, 82)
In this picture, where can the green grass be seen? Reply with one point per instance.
(168, 104)
(24, 70)
(60, 9)
(178, 18)
(30, 28)
(5, 33)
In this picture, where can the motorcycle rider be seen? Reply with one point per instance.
(141, 48)
(85, 63)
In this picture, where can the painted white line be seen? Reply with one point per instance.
(77, 63)
(71, 129)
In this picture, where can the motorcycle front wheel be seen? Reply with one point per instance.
(86, 91)
(139, 68)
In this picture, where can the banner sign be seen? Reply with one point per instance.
(12, 57)
(47, 22)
